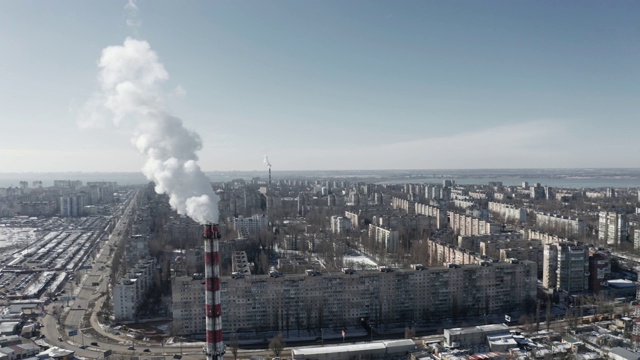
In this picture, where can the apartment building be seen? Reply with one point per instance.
(389, 238)
(599, 271)
(240, 263)
(187, 304)
(544, 237)
(72, 205)
(136, 247)
(566, 267)
(466, 225)
(299, 302)
(441, 253)
(560, 224)
(613, 227)
(248, 226)
(433, 211)
(508, 212)
(474, 242)
(340, 224)
(463, 204)
(130, 291)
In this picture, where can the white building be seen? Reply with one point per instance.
(508, 212)
(387, 237)
(566, 267)
(612, 227)
(72, 205)
(247, 226)
(340, 224)
(130, 291)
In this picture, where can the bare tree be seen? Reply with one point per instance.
(234, 346)
(277, 345)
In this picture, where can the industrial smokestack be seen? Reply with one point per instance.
(214, 347)
(266, 162)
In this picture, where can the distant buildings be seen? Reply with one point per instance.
(508, 212)
(562, 225)
(72, 205)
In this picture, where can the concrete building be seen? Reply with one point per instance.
(508, 212)
(240, 263)
(187, 304)
(566, 267)
(130, 291)
(376, 350)
(136, 247)
(72, 205)
(340, 224)
(466, 225)
(386, 237)
(562, 225)
(250, 226)
(441, 253)
(433, 211)
(599, 271)
(477, 335)
(612, 227)
(300, 302)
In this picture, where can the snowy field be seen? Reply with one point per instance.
(359, 262)
(12, 238)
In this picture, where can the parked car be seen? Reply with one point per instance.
(94, 343)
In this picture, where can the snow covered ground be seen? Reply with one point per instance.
(13, 238)
(359, 262)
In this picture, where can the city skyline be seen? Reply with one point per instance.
(333, 85)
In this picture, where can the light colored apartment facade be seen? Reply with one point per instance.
(130, 291)
(299, 302)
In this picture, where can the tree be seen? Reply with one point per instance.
(277, 345)
(409, 332)
(234, 346)
(57, 314)
(547, 317)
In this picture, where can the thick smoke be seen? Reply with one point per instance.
(130, 89)
(266, 161)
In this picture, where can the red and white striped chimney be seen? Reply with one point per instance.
(214, 347)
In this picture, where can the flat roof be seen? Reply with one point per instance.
(380, 346)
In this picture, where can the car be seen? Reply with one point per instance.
(94, 343)
(131, 348)
(177, 356)
(146, 350)
(60, 338)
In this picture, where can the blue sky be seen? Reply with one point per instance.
(335, 84)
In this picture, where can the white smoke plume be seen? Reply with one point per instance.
(133, 21)
(130, 81)
(266, 161)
